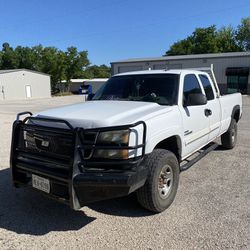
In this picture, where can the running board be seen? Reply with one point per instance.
(201, 153)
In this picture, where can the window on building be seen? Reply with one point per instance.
(237, 80)
(207, 87)
(191, 86)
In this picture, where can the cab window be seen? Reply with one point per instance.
(207, 87)
(191, 86)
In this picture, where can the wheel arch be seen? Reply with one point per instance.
(173, 144)
(236, 113)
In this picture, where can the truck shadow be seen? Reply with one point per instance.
(220, 148)
(27, 212)
(123, 207)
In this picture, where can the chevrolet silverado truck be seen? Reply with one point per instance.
(136, 134)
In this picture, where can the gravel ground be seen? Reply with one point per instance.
(211, 210)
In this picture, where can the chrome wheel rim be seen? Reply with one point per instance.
(165, 181)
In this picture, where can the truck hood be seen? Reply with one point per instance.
(95, 114)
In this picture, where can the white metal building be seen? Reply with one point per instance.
(96, 83)
(18, 84)
(231, 69)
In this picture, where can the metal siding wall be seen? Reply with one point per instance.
(1, 94)
(128, 68)
(40, 84)
(14, 85)
(160, 66)
(220, 65)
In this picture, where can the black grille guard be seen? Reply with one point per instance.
(69, 167)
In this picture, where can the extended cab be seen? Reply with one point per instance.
(136, 135)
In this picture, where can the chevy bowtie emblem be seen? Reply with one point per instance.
(45, 143)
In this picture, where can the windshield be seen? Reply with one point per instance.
(159, 88)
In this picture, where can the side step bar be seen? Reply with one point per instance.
(201, 153)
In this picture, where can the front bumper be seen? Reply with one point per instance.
(90, 187)
(85, 187)
(70, 181)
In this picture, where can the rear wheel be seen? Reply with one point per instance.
(161, 186)
(229, 138)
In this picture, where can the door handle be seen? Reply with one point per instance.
(208, 112)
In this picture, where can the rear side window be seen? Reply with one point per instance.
(207, 87)
(191, 86)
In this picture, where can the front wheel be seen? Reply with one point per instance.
(161, 186)
(229, 138)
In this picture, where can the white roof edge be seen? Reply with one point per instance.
(170, 71)
(88, 80)
(183, 57)
(97, 79)
(6, 71)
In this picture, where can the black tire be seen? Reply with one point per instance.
(151, 195)
(229, 138)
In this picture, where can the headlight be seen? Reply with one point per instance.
(117, 154)
(116, 137)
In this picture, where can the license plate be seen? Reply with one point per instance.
(40, 183)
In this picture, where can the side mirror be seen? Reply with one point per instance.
(90, 96)
(196, 100)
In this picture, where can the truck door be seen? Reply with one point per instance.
(195, 121)
(213, 107)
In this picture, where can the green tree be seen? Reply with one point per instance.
(243, 34)
(211, 40)
(76, 62)
(226, 41)
(60, 66)
(95, 71)
(26, 58)
(9, 59)
(52, 62)
(202, 40)
(182, 47)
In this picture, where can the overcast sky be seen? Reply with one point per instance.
(113, 30)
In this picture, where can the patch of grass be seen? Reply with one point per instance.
(62, 94)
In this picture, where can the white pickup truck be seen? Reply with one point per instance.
(136, 135)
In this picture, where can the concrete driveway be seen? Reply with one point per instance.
(211, 210)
